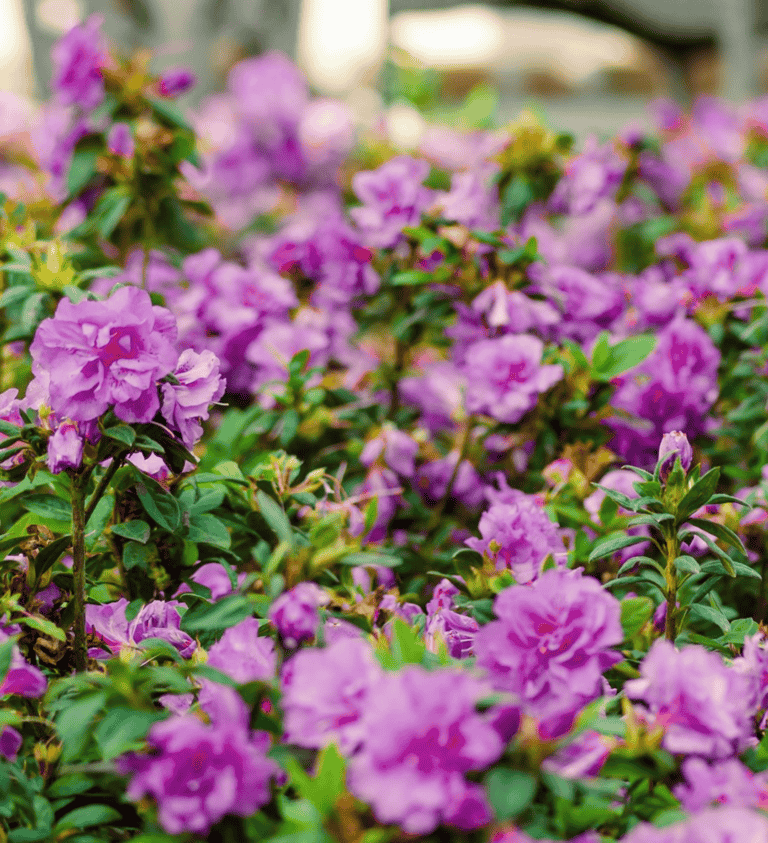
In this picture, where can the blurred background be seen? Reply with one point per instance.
(588, 65)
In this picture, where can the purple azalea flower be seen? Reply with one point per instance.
(517, 836)
(553, 641)
(244, 655)
(505, 376)
(10, 743)
(120, 141)
(325, 693)
(422, 735)
(175, 81)
(582, 757)
(704, 706)
(397, 448)
(594, 174)
(443, 622)
(22, 678)
(295, 614)
(199, 773)
(65, 448)
(393, 196)
(186, 403)
(78, 58)
(711, 825)
(722, 783)
(106, 353)
(516, 534)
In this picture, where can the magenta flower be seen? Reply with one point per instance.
(65, 448)
(187, 403)
(723, 783)
(516, 534)
(325, 693)
(106, 353)
(392, 197)
(21, 678)
(10, 743)
(594, 174)
(422, 736)
(553, 641)
(444, 623)
(505, 376)
(295, 614)
(242, 654)
(176, 81)
(711, 825)
(120, 140)
(199, 773)
(704, 706)
(674, 445)
(77, 61)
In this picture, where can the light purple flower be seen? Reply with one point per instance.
(326, 691)
(444, 623)
(175, 81)
(422, 735)
(10, 743)
(244, 655)
(711, 825)
(505, 376)
(553, 641)
(393, 196)
(65, 448)
(581, 757)
(517, 836)
(397, 448)
(199, 773)
(106, 353)
(78, 58)
(22, 678)
(433, 478)
(516, 534)
(187, 403)
(120, 141)
(704, 706)
(295, 614)
(725, 783)
(592, 175)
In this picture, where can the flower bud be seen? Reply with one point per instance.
(176, 81)
(120, 140)
(65, 448)
(673, 445)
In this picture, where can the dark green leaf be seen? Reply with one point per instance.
(123, 729)
(160, 505)
(509, 792)
(122, 433)
(720, 531)
(208, 529)
(220, 615)
(276, 519)
(81, 170)
(136, 530)
(86, 816)
(687, 565)
(137, 555)
(48, 506)
(610, 544)
(710, 614)
(698, 495)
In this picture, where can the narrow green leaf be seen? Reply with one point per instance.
(720, 531)
(698, 495)
(160, 505)
(687, 564)
(610, 544)
(709, 613)
(276, 519)
(136, 530)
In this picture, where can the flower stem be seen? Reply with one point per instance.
(670, 626)
(79, 482)
(102, 487)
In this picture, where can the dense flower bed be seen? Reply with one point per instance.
(355, 495)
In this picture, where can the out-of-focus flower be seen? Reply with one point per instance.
(422, 735)
(295, 614)
(120, 140)
(78, 58)
(22, 678)
(722, 783)
(244, 655)
(592, 175)
(443, 622)
(582, 757)
(175, 81)
(198, 772)
(10, 743)
(704, 706)
(713, 825)
(326, 691)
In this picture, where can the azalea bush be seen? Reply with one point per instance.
(360, 494)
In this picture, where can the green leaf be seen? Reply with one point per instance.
(136, 530)
(50, 554)
(364, 557)
(407, 645)
(208, 529)
(6, 654)
(687, 565)
(635, 614)
(122, 433)
(709, 613)
(276, 519)
(715, 566)
(170, 114)
(160, 505)
(728, 563)
(136, 555)
(109, 210)
(720, 531)
(224, 613)
(698, 495)
(328, 783)
(45, 626)
(621, 357)
(81, 170)
(509, 792)
(86, 816)
(410, 278)
(123, 729)
(48, 506)
(610, 544)
(74, 724)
